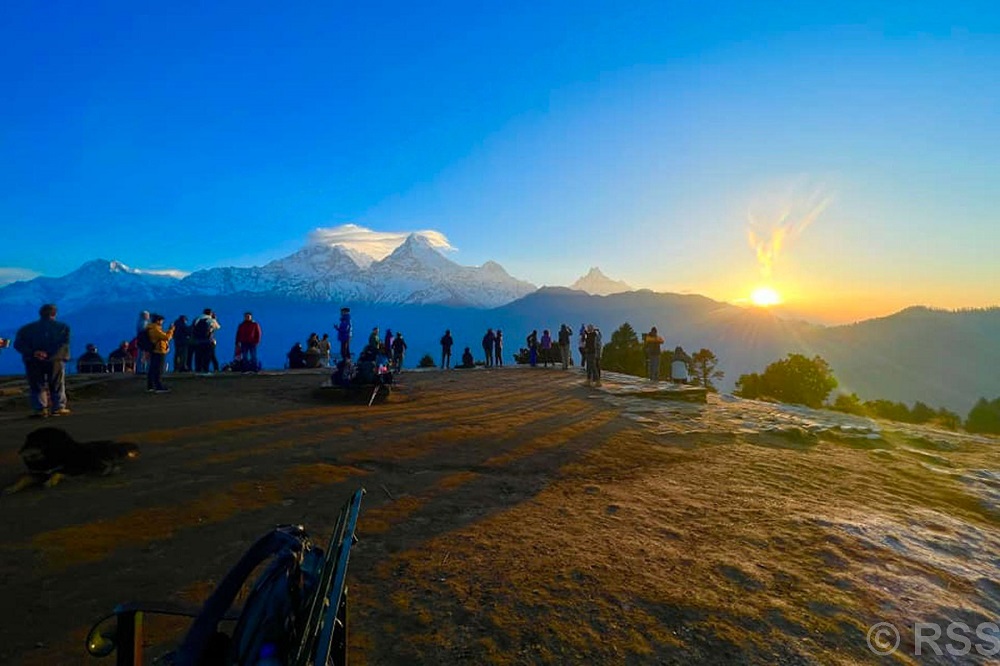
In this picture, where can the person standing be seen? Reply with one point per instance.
(651, 345)
(142, 361)
(532, 342)
(203, 338)
(344, 331)
(679, 366)
(590, 354)
(398, 350)
(498, 348)
(325, 349)
(247, 340)
(160, 340)
(44, 348)
(583, 345)
(388, 342)
(565, 335)
(598, 348)
(488, 341)
(446, 342)
(182, 335)
(546, 348)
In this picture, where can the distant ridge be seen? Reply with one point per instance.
(597, 283)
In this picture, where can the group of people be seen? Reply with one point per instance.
(492, 347)
(315, 355)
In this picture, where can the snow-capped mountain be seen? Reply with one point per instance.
(415, 273)
(597, 283)
(95, 281)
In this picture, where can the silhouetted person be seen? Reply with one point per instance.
(296, 357)
(90, 362)
(44, 348)
(446, 342)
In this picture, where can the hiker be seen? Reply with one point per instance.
(532, 343)
(313, 356)
(296, 357)
(498, 348)
(651, 345)
(248, 335)
(324, 350)
(446, 342)
(583, 345)
(374, 341)
(182, 336)
(467, 360)
(142, 361)
(679, 366)
(565, 335)
(488, 340)
(387, 344)
(344, 331)
(203, 330)
(312, 341)
(398, 350)
(120, 360)
(160, 340)
(44, 348)
(598, 349)
(91, 362)
(590, 355)
(546, 347)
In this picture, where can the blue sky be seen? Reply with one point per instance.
(550, 137)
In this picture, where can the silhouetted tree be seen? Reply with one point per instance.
(426, 361)
(702, 368)
(984, 417)
(796, 379)
(623, 352)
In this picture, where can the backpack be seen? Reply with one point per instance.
(202, 329)
(143, 342)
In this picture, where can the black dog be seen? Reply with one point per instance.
(51, 453)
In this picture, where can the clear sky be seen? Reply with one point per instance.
(642, 137)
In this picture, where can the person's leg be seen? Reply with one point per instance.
(57, 385)
(37, 386)
(499, 359)
(654, 368)
(156, 371)
(213, 358)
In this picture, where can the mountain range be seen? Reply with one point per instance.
(938, 357)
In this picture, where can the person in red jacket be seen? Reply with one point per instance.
(247, 339)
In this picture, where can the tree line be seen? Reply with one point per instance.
(796, 379)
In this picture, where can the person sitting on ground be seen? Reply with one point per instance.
(679, 366)
(313, 341)
(296, 357)
(91, 362)
(344, 374)
(314, 359)
(120, 360)
(467, 360)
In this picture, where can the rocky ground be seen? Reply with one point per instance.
(515, 516)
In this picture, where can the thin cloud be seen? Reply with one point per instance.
(774, 221)
(10, 274)
(376, 244)
(167, 272)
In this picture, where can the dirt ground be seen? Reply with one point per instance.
(511, 517)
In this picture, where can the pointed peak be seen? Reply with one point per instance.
(597, 283)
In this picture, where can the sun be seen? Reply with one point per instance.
(764, 297)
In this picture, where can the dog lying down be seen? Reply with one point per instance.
(51, 454)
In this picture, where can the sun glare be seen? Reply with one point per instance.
(764, 296)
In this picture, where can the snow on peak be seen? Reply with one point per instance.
(598, 284)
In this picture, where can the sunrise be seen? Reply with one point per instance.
(522, 333)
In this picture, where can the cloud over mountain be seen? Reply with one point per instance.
(375, 244)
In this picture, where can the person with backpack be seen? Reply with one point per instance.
(247, 339)
(446, 343)
(344, 331)
(203, 338)
(159, 347)
(590, 348)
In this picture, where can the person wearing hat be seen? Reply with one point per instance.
(91, 361)
(44, 348)
(160, 340)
